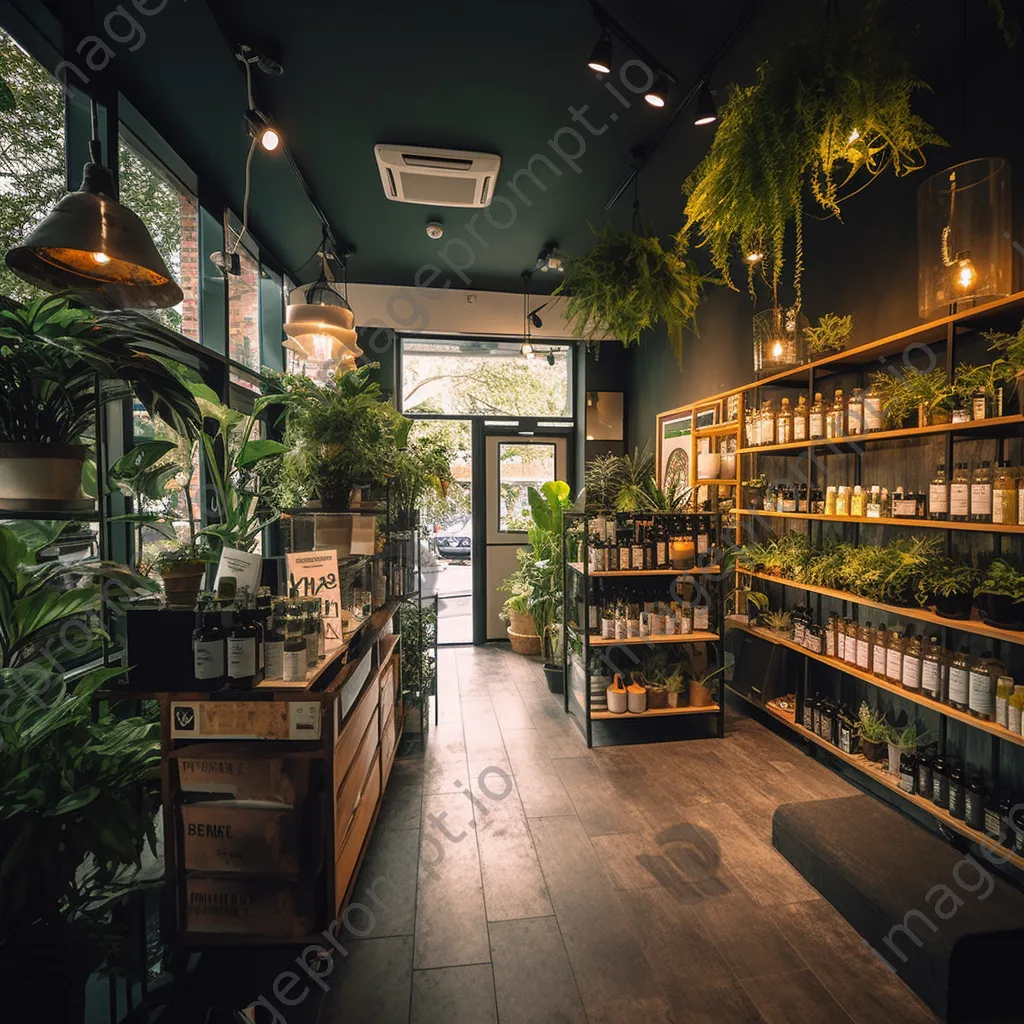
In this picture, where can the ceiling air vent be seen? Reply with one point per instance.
(437, 177)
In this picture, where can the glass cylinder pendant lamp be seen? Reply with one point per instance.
(964, 249)
(779, 342)
(92, 244)
(319, 324)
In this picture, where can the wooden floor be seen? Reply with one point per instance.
(628, 884)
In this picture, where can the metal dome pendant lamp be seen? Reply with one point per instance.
(320, 324)
(93, 245)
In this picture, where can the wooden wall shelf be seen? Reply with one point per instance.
(914, 524)
(1010, 636)
(711, 709)
(675, 638)
(707, 570)
(882, 684)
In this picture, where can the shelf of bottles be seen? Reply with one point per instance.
(643, 595)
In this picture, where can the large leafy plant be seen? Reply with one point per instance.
(627, 282)
(903, 394)
(338, 435)
(826, 117)
(54, 354)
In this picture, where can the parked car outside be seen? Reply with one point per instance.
(456, 541)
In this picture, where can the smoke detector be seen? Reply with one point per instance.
(435, 229)
(437, 177)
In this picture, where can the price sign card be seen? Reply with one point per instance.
(315, 574)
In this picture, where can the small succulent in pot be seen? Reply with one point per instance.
(778, 622)
(874, 732)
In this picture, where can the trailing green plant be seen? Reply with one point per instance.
(872, 724)
(338, 434)
(944, 577)
(830, 335)
(757, 600)
(54, 355)
(419, 663)
(627, 282)
(1002, 579)
(1011, 349)
(826, 117)
(902, 394)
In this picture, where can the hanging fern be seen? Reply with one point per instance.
(626, 282)
(826, 118)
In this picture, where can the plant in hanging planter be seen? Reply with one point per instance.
(928, 396)
(831, 334)
(627, 282)
(874, 732)
(60, 365)
(1011, 347)
(827, 116)
(949, 585)
(1000, 596)
(338, 435)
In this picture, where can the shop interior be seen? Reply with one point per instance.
(513, 515)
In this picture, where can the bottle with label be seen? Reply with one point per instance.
(908, 772)
(661, 544)
(959, 678)
(621, 618)
(938, 494)
(273, 642)
(244, 636)
(830, 635)
(981, 494)
(873, 418)
(830, 500)
(873, 507)
(956, 790)
(855, 413)
(625, 547)
(894, 659)
(980, 406)
(852, 644)
(981, 699)
(1015, 712)
(843, 500)
(816, 418)
(904, 506)
(858, 502)
(784, 424)
(931, 668)
(865, 637)
(879, 650)
(294, 642)
(1004, 690)
(959, 494)
(208, 653)
(767, 423)
(1020, 499)
(636, 547)
(1004, 495)
(788, 500)
(835, 423)
(800, 419)
(912, 664)
(632, 616)
(596, 561)
(975, 799)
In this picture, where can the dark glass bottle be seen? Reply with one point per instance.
(956, 804)
(273, 642)
(925, 763)
(661, 544)
(975, 799)
(208, 651)
(940, 782)
(908, 772)
(294, 642)
(243, 643)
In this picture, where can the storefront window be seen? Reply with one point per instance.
(32, 175)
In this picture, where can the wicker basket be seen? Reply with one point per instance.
(524, 643)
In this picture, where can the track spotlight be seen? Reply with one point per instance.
(657, 95)
(601, 56)
(259, 128)
(551, 359)
(707, 112)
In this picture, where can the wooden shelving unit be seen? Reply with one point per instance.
(675, 638)
(710, 709)
(882, 684)
(707, 570)
(914, 524)
(976, 626)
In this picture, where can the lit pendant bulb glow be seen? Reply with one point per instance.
(964, 274)
(854, 136)
(754, 257)
(101, 258)
(270, 140)
(777, 349)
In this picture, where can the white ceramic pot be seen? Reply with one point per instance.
(673, 699)
(617, 701)
(637, 702)
(894, 759)
(40, 473)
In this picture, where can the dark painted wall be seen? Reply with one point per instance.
(866, 265)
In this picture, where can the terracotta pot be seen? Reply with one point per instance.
(700, 696)
(520, 622)
(657, 697)
(524, 643)
(41, 475)
(182, 583)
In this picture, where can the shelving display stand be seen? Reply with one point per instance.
(1001, 758)
(582, 648)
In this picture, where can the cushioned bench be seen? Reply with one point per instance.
(948, 926)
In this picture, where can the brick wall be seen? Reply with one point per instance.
(244, 313)
(190, 282)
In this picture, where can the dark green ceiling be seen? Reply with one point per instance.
(457, 74)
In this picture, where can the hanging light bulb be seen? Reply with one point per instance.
(706, 112)
(754, 257)
(777, 349)
(964, 275)
(261, 129)
(91, 243)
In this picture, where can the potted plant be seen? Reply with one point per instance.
(987, 380)
(423, 466)
(60, 365)
(677, 690)
(657, 693)
(1012, 348)
(757, 604)
(779, 623)
(902, 741)
(338, 435)
(830, 335)
(753, 491)
(874, 732)
(627, 283)
(522, 630)
(950, 586)
(928, 396)
(1000, 596)
(702, 691)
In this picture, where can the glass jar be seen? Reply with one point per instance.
(784, 424)
(835, 422)
(981, 697)
(800, 419)
(873, 508)
(894, 659)
(981, 494)
(938, 494)
(858, 502)
(852, 642)
(878, 651)
(960, 494)
(816, 418)
(1004, 690)
(874, 420)
(843, 501)
(912, 664)
(779, 341)
(959, 679)
(1004, 496)
(855, 413)
(831, 640)
(931, 669)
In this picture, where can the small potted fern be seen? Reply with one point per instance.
(1000, 596)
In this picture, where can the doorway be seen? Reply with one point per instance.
(513, 463)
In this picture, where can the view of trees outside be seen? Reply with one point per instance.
(32, 175)
(457, 505)
(520, 467)
(452, 379)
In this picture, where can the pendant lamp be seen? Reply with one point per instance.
(320, 324)
(90, 243)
